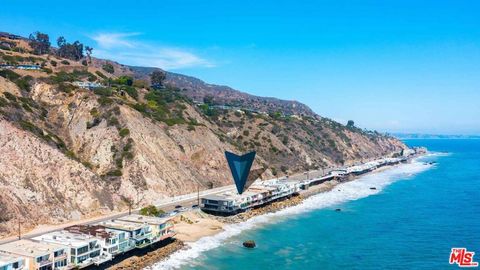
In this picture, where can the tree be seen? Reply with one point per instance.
(151, 210)
(72, 51)
(350, 124)
(39, 42)
(156, 79)
(208, 100)
(108, 68)
(125, 80)
(88, 51)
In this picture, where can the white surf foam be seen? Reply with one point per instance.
(341, 193)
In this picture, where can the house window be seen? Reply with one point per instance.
(82, 250)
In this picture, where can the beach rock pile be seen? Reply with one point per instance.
(138, 262)
(270, 208)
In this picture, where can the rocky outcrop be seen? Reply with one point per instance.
(39, 184)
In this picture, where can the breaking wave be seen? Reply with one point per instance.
(344, 192)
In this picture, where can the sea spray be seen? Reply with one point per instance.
(344, 192)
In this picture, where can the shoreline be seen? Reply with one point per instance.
(194, 225)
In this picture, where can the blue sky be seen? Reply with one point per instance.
(397, 66)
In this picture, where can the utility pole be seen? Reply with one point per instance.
(19, 231)
(198, 194)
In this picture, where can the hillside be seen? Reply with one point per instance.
(197, 90)
(69, 152)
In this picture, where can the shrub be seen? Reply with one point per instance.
(114, 173)
(113, 121)
(140, 83)
(24, 83)
(95, 123)
(10, 96)
(131, 91)
(128, 155)
(94, 112)
(65, 62)
(103, 101)
(246, 133)
(119, 162)
(151, 210)
(70, 154)
(3, 102)
(105, 92)
(8, 74)
(65, 87)
(53, 63)
(124, 132)
(124, 80)
(84, 62)
(108, 68)
(100, 74)
(284, 168)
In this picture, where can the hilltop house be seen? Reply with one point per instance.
(87, 85)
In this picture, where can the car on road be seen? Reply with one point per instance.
(195, 206)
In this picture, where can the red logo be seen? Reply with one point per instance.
(462, 257)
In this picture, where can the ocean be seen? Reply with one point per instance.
(412, 220)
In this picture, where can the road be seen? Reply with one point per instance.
(167, 204)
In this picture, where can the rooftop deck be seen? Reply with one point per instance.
(30, 248)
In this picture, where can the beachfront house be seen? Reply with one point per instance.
(161, 228)
(112, 242)
(11, 262)
(260, 193)
(83, 250)
(140, 233)
(38, 255)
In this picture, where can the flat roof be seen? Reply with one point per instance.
(98, 231)
(65, 238)
(144, 219)
(29, 248)
(6, 259)
(121, 225)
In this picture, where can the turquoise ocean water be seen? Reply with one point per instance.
(413, 219)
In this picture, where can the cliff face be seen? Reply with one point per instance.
(69, 153)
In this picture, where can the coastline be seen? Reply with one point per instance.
(193, 226)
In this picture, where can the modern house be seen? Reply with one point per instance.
(161, 228)
(140, 233)
(11, 262)
(83, 250)
(87, 85)
(112, 242)
(28, 67)
(38, 255)
(258, 194)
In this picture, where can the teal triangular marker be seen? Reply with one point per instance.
(240, 167)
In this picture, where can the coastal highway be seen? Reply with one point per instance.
(166, 204)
